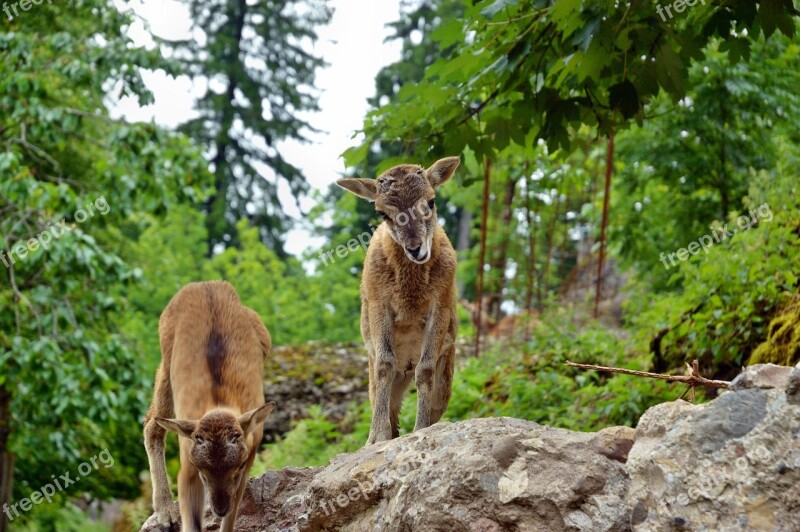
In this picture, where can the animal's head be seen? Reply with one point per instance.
(219, 450)
(405, 197)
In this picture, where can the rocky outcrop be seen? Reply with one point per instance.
(482, 474)
(299, 377)
(488, 474)
(731, 464)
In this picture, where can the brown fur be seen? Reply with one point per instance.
(210, 382)
(408, 296)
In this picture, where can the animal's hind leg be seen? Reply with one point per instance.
(401, 381)
(442, 382)
(365, 333)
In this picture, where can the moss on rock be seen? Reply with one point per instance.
(782, 345)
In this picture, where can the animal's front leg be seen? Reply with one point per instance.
(166, 513)
(381, 327)
(424, 371)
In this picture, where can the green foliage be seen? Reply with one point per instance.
(704, 115)
(726, 298)
(296, 307)
(538, 387)
(693, 163)
(75, 385)
(534, 69)
(68, 518)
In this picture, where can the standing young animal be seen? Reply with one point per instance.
(408, 296)
(210, 383)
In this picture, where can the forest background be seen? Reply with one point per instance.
(602, 144)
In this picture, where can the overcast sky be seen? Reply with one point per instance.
(352, 44)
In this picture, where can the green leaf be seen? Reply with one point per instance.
(623, 40)
(624, 98)
(448, 33)
(356, 155)
(470, 161)
(774, 14)
(670, 71)
(562, 9)
(738, 49)
(592, 63)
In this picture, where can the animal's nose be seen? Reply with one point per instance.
(414, 251)
(220, 510)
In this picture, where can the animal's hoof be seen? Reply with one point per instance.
(378, 437)
(165, 521)
(169, 519)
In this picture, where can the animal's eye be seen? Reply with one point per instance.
(199, 440)
(431, 203)
(419, 171)
(384, 216)
(235, 438)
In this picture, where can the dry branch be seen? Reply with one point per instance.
(694, 379)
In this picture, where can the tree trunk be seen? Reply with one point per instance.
(562, 265)
(6, 458)
(462, 240)
(218, 201)
(531, 222)
(501, 255)
(550, 234)
(482, 253)
(603, 224)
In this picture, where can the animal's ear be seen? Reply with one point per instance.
(442, 170)
(181, 427)
(252, 418)
(363, 188)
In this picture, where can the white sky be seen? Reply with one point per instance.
(352, 44)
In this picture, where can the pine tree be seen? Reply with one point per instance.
(255, 59)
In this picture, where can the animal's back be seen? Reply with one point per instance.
(217, 347)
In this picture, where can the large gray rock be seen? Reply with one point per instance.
(488, 474)
(731, 464)
(483, 474)
(762, 376)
